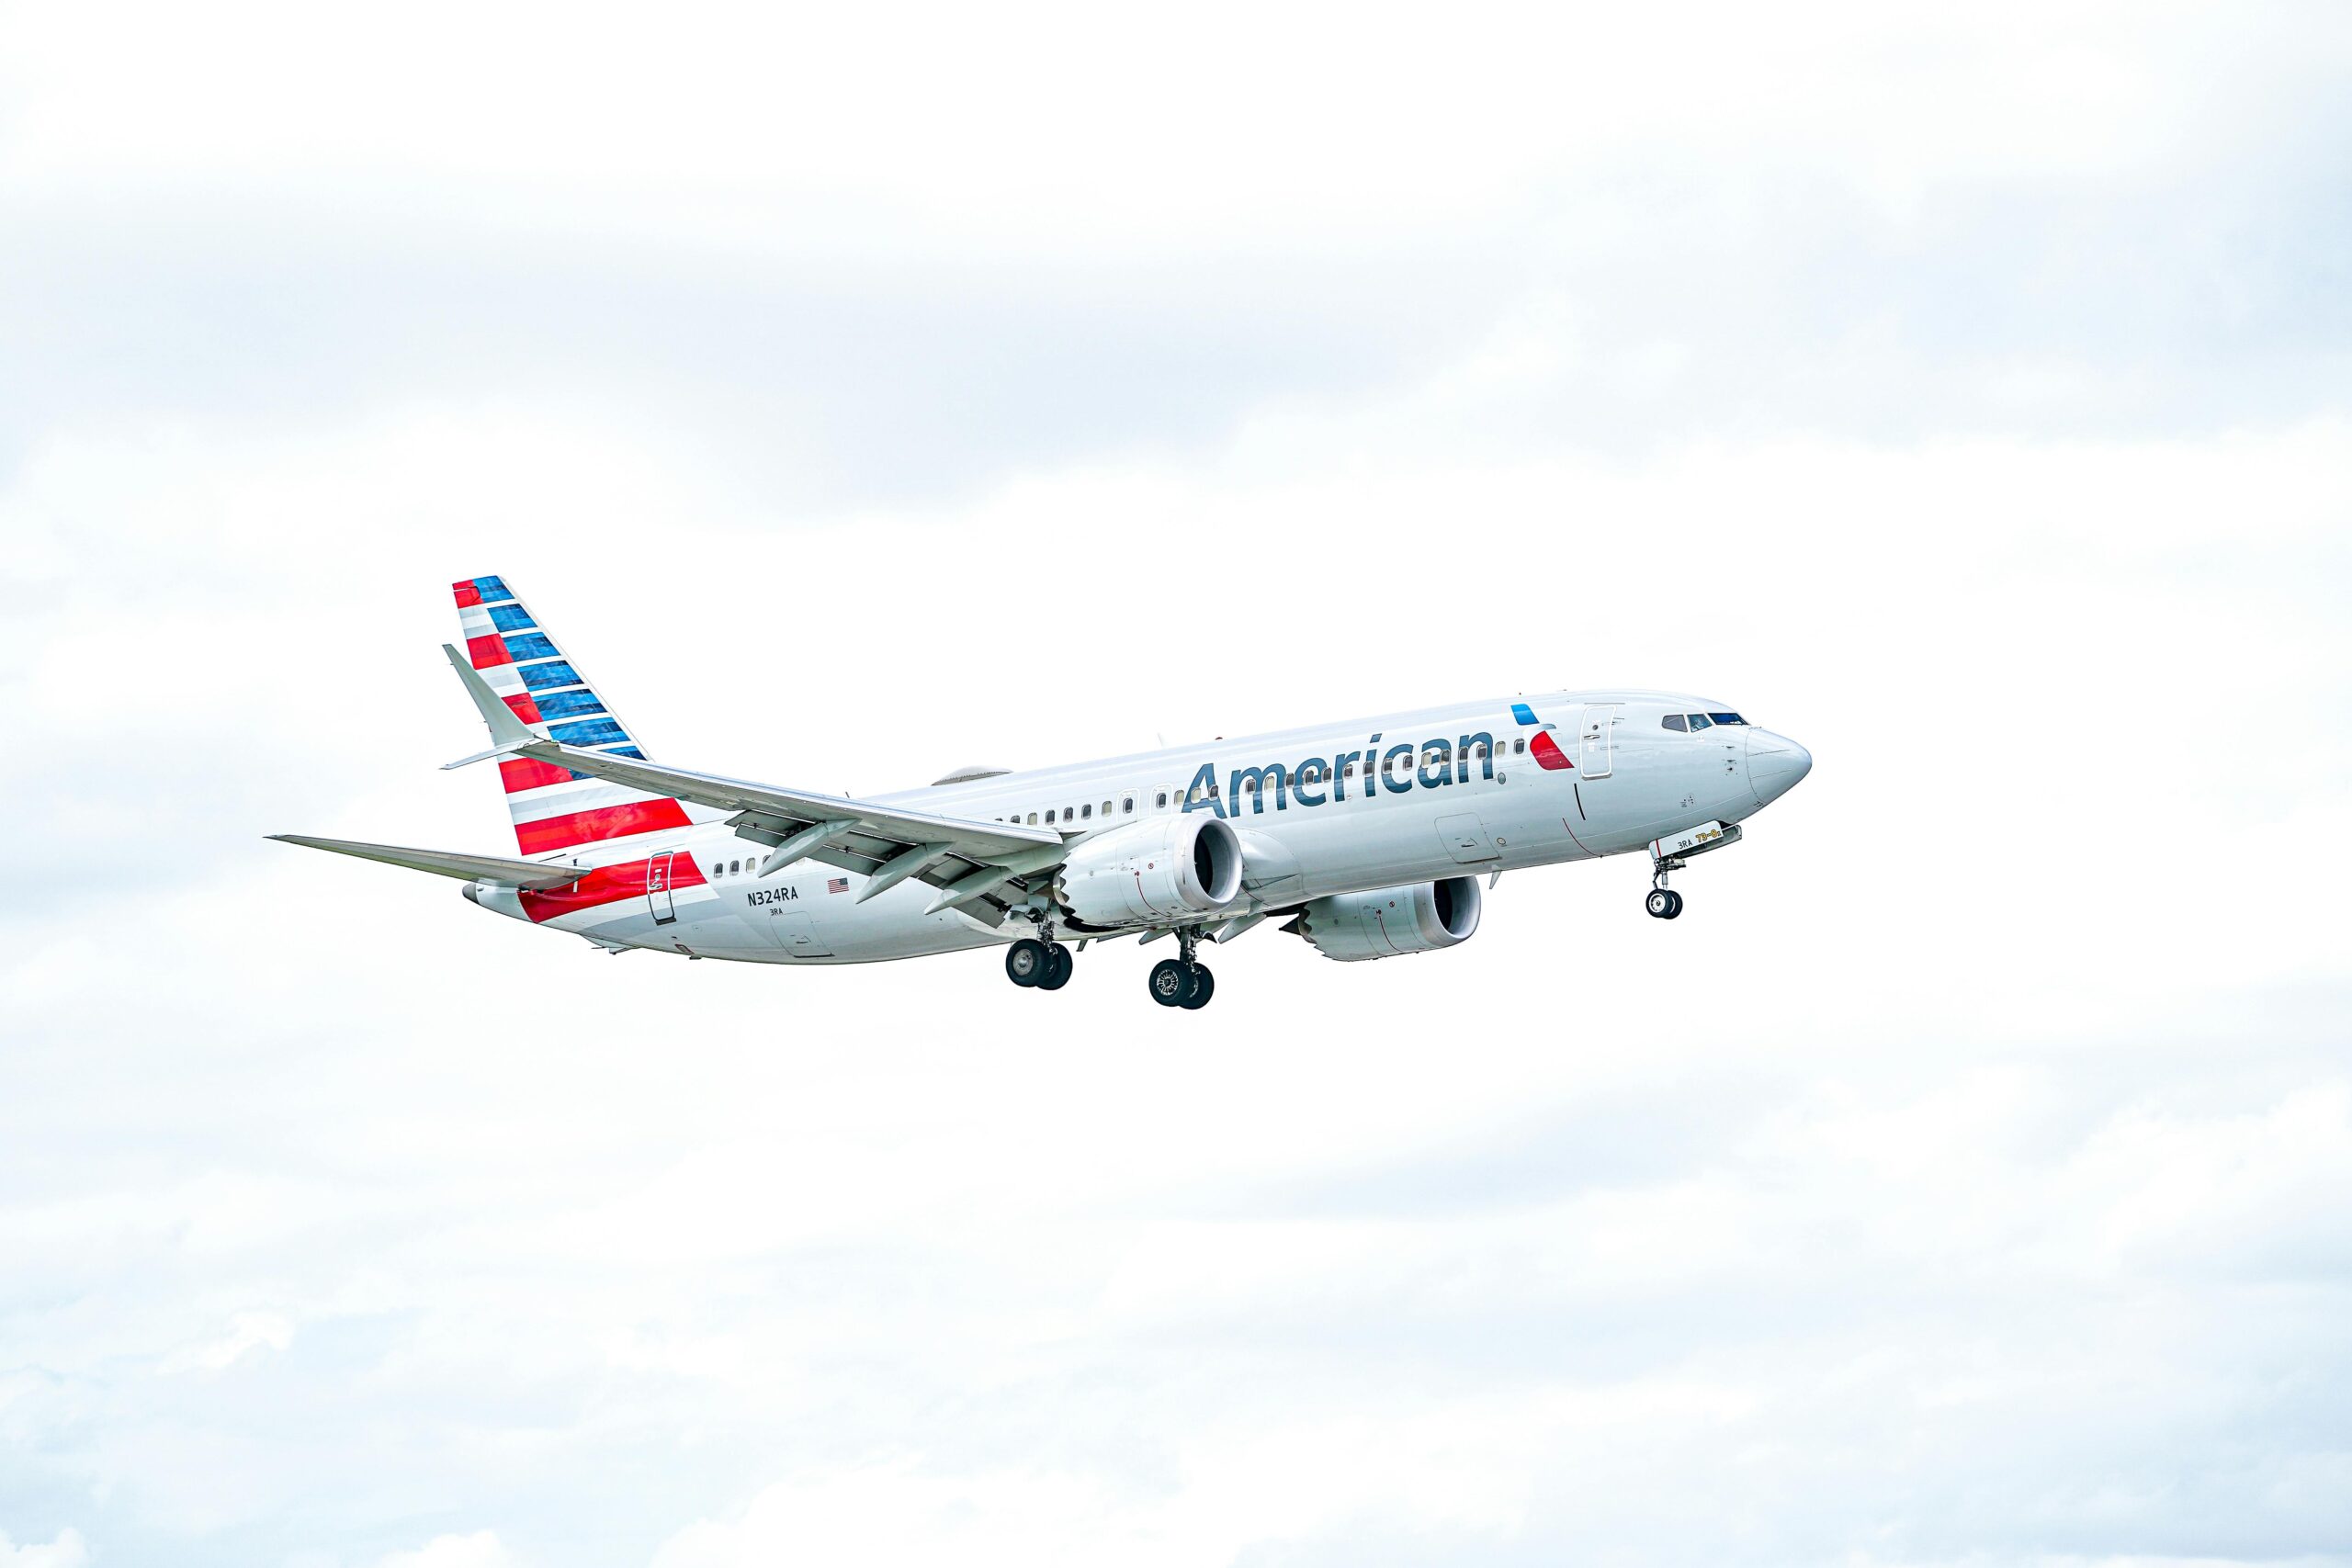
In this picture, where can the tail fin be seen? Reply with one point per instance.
(554, 808)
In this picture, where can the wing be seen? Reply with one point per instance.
(972, 863)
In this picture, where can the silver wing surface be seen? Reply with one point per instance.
(982, 865)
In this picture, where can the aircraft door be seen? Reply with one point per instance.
(1595, 746)
(659, 900)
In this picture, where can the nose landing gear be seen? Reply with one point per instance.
(1663, 902)
(1183, 982)
(1671, 852)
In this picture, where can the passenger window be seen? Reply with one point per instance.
(1106, 809)
(1089, 812)
(1032, 819)
(1697, 722)
(1160, 800)
(1049, 817)
(1674, 721)
(1518, 746)
(1127, 805)
(733, 866)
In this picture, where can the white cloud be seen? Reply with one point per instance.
(1054, 131)
(248, 1332)
(67, 1550)
(479, 1550)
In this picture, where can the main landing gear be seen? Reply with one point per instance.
(1045, 964)
(1041, 962)
(1663, 902)
(1183, 982)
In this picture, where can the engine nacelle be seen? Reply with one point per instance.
(1155, 872)
(1419, 918)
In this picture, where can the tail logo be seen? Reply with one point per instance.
(553, 807)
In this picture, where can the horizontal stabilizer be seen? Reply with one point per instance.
(441, 863)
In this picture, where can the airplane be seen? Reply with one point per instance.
(1364, 838)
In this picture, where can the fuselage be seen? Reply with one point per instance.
(1320, 810)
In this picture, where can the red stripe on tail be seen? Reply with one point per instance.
(486, 651)
(524, 773)
(604, 823)
(467, 593)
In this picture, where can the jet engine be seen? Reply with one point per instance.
(1154, 872)
(1418, 918)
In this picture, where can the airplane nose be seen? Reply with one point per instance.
(1776, 765)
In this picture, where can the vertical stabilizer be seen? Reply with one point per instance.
(556, 811)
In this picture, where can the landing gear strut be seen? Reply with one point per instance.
(1663, 902)
(1184, 981)
(1045, 964)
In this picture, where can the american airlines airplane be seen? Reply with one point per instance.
(1365, 837)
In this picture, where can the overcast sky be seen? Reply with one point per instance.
(1965, 1178)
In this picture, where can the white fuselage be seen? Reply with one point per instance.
(1444, 792)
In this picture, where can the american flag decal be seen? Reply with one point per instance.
(837, 885)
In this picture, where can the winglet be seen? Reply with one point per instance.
(509, 731)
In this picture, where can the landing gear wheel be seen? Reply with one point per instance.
(1203, 987)
(1171, 982)
(1661, 904)
(1674, 907)
(1027, 961)
(1059, 964)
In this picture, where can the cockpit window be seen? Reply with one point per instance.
(1726, 718)
(1674, 721)
(1699, 721)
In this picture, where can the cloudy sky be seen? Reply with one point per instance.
(1965, 1178)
